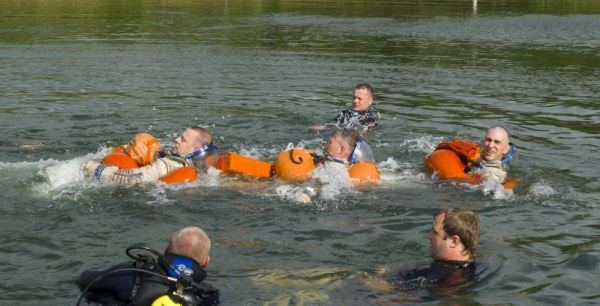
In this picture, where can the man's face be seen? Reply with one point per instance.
(438, 246)
(187, 142)
(495, 144)
(336, 148)
(361, 100)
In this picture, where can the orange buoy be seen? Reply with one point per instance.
(364, 172)
(294, 164)
(237, 164)
(180, 175)
(121, 160)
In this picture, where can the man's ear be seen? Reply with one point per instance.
(455, 241)
(343, 149)
(506, 149)
(205, 262)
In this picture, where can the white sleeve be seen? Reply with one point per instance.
(149, 173)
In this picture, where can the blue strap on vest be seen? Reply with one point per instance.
(181, 265)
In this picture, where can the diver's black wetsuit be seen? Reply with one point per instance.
(440, 273)
(139, 288)
(347, 116)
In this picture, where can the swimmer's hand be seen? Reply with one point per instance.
(376, 282)
(306, 195)
(90, 167)
(318, 127)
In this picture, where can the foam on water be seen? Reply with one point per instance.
(421, 144)
(394, 172)
(541, 189)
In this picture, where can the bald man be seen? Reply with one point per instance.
(496, 152)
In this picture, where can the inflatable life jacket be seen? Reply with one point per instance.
(140, 151)
(453, 160)
(232, 163)
(296, 165)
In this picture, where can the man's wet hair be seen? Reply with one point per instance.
(204, 136)
(463, 223)
(503, 128)
(349, 137)
(365, 86)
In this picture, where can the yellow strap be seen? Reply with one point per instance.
(165, 300)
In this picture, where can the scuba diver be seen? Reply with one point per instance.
(193, 148)
(174, 278)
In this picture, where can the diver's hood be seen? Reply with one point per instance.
(362, 152)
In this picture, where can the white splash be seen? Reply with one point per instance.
(64, 173)
(393, 171)
(541, 189)
(493, 188)
(422, 144)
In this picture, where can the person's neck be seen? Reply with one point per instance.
(459, 257)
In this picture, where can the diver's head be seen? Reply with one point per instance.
(362, 97)
(341, 144)
(191, 242)
(495, 143)
(192, 139)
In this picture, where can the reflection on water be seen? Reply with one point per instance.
(80, 77)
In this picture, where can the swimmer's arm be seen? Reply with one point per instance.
(149, 173)
(377, 282)
(318, 127)
(339, 119)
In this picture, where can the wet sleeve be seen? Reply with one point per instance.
(340, 118)
(149, 173)
(369, 119)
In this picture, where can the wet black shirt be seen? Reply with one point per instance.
(350, 117)
(440, 273)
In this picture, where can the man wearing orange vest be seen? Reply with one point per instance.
(192, 148)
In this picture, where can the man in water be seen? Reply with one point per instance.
(359, 116)
(344, 148)
(453, 241)
(496, 154)
(193, 147)
(184, 259)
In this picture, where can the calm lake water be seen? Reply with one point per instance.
(81, 76)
